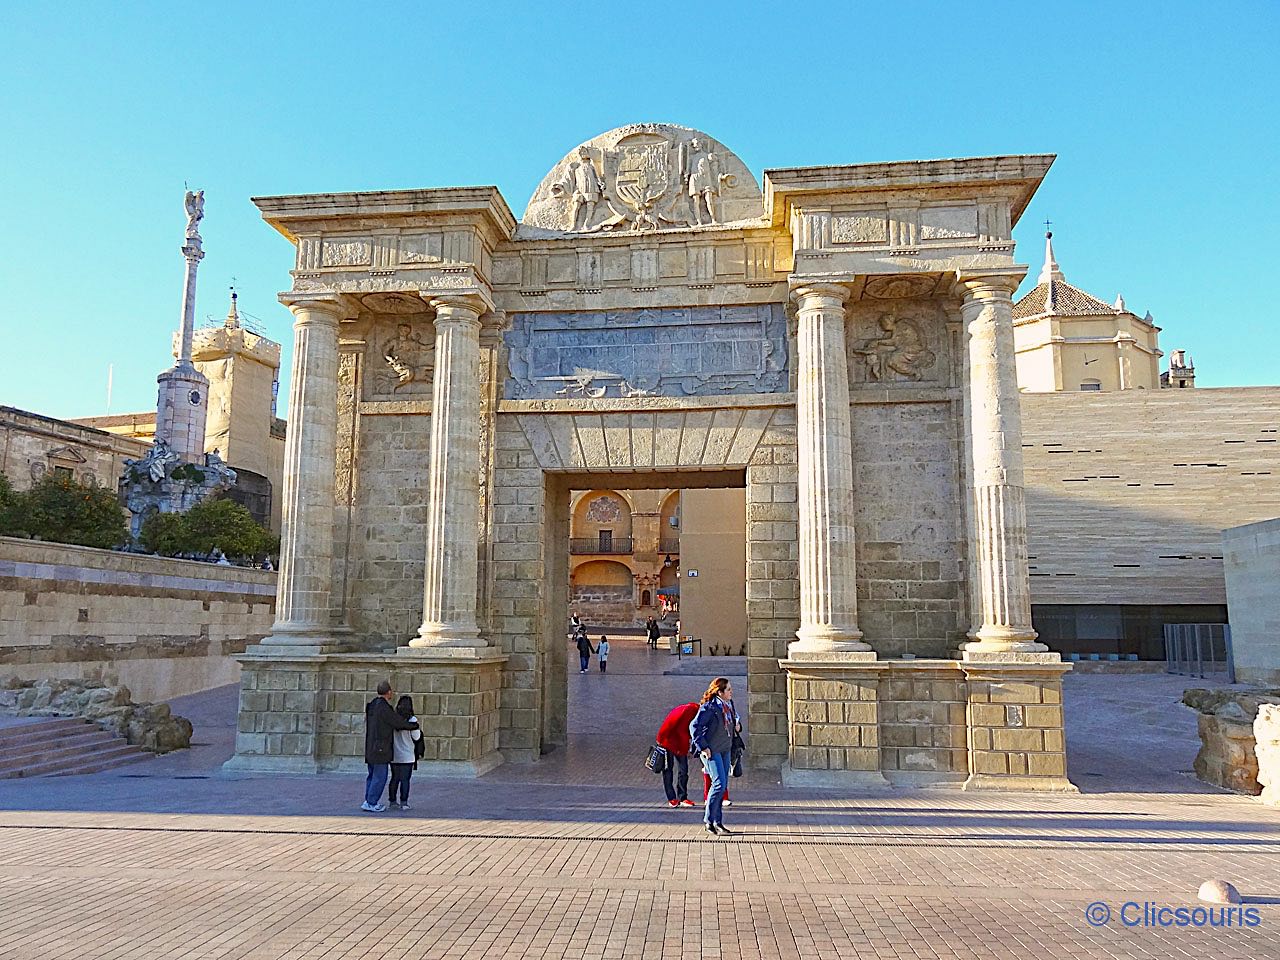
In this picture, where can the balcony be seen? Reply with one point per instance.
(611, 546)
(669, 545)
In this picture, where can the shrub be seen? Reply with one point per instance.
(210, 525)
(59, 509)
(8, 507)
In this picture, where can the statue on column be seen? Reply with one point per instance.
(194, 203)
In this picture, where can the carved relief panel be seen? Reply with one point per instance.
(670, 351)
(399, 356)
(899, 342)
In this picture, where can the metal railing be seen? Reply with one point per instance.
(618, 546)
(669, 545)
(1198, 649)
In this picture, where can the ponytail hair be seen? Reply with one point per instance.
(715, 688)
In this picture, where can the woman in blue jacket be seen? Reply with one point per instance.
(711, 733)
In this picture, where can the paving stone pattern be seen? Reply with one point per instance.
(579, 857)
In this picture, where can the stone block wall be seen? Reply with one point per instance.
(923, 733)
(161, 627)
(384, 568)
(910, 532)
(1227, 755)
(834, 723)
(306, 714)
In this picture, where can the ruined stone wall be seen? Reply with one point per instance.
(161, 627)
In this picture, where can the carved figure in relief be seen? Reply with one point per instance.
(409, 356)
(584, 188)
(901, 351)
(194, 202)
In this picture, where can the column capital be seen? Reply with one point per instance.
(465, 305)
(804, 295)
(332, 306)
(979, 286)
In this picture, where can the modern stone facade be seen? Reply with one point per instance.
(854, 372)
(1251, 557)
(161, 627)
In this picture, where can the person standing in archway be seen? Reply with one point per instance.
(585, 650)
(652, 632)
(711, 734)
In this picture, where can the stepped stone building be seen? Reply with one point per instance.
(839, 345)
(1130, 486)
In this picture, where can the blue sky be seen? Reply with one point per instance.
(1163, 115)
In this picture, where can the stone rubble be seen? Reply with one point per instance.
(149, 726)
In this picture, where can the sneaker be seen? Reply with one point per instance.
(404, 806)
(723, 829)
(728, 802)
(673, 803)
(392, 803)
(379, 808)
(711, 829)
(368, 807)
(687, 803)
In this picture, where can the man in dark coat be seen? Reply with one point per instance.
(380, 724)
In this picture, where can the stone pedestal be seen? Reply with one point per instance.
(833, 722)
(936, 723)
(305, 714)
(1014, 716)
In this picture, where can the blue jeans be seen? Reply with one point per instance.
(376, 782)
(717, 767)
(585, 659)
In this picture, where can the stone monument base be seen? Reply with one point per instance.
(987, 725)
(304, 713)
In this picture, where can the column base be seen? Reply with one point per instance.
(800, 652)
(302, 641)
(820, 642)
(1008, 653)
(478, 650)
(441, 636)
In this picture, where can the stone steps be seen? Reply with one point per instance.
(62, 746)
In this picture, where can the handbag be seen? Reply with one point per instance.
(738, 748)
(656, 760)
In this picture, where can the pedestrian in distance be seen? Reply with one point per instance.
(380, 724)
(673, 737)
(575, 626)
(651, 632)
(602, 649)
(585, 650)
(711, 734)
(406, 749)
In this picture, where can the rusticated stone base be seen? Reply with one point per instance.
(305, 714)
(935, 723)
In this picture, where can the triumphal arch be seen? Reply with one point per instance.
(839, 343)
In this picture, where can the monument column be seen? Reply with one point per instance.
(828, 587)
(998, 496)
(453, 485)
(306, 536)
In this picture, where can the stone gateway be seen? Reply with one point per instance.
(840, 345)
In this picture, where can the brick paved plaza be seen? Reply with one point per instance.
(580, 857)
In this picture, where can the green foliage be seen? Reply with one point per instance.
(162, 533)
(8, 507)
(59, 509)
(188, 471)
(208, 526)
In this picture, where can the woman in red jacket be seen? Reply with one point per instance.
(673, 737)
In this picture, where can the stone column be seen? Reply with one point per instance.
(453, 490)
(1003, 623)
(828, 587)
(303, 623)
